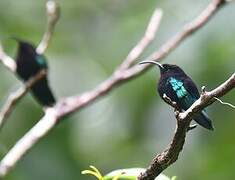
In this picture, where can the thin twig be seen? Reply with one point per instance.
(146, 40)
(17, 96)
(7, 60)
(71, 104)
(225, 103)
(169, 101)
(53, 14)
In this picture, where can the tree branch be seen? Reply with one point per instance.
(170, 155)
(69, 105)
(148, 37)
(53, 14)
(36, 133)
(7, 61)
(175, 41)
(17, 96)
(66, 106)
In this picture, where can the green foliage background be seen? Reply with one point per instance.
(127, 127)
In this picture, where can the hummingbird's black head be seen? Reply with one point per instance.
(26, 49)
(28, 62)
(171, 68)
(166, 68)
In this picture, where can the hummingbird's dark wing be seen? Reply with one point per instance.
(188, 91)
(191, 87)
(42, 92)
(184, 92)
(192, 95)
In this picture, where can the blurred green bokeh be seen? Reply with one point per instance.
(127, 127)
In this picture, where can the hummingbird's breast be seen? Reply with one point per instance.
(172, 85)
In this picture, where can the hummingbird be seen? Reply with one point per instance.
(28, 64)
(181, 89)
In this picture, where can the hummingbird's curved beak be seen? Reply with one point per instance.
(153, 62)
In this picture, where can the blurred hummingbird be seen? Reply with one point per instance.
(28, 64)
(180, 88)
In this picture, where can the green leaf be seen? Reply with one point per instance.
(94, 172)
(130, 174)
(124, 174)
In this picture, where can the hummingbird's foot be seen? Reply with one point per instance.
(191, 127)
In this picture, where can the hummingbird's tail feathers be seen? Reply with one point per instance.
(203, 120)
(43, 93)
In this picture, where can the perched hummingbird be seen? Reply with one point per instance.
(28, 64)
(180, 88)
